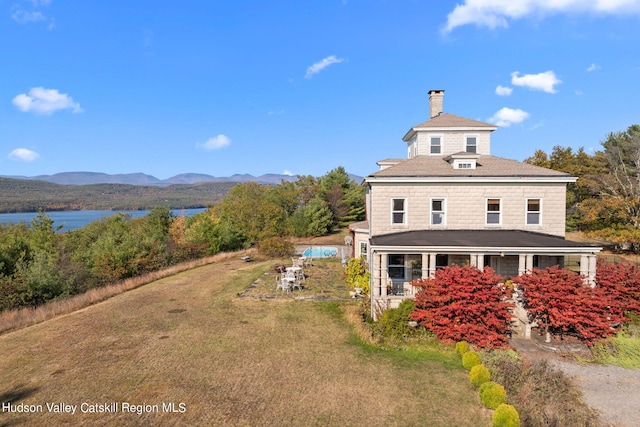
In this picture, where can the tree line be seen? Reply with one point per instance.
(19, 195)
(605, 200)
(38, 264)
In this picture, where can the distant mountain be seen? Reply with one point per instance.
(87, 178)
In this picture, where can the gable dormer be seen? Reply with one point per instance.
(445, 134)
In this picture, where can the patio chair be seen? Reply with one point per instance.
(282, 283)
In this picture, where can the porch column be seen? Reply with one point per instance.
(432, 265)
(529, 263)
(522, 264)
(591, 274)
(384, 273)
(425, 266)
(375, 288)
(473, 260)
(584, 265)
(480, 262)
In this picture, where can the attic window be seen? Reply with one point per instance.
(465, 165)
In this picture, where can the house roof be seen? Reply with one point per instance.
(486, 166)
(446, 120)
(362, 225)
(498, 239)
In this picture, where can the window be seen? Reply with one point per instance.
(363, 250)
(398, 211)
(533, 211)
(472, 144)
(464, 165)
(493, 211)
(396, 266)
(437, 212)
(436, 145)
(441, 261)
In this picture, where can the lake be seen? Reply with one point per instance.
(71, 220)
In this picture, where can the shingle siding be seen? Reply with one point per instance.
(465, 206)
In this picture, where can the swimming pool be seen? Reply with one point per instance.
(320, 252)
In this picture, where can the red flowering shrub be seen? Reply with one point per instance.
(560, 302)
(622, 283)
(465, 304)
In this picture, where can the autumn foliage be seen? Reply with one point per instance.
(622, 283)
(562, 304)
(465, 304)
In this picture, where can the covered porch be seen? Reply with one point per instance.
(395, 260)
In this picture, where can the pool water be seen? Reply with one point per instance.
(320, 252)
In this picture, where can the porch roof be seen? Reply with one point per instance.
(496, 239)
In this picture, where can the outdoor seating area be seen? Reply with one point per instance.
(293, 277)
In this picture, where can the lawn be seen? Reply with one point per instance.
(224, 356)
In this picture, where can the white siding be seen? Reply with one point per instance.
(466, 206)
(452, 142)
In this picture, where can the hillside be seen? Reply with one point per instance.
(86, 178)
(18, 195)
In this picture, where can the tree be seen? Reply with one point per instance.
(344, 198)
(465, 304)
(248, 209)
(561, 304)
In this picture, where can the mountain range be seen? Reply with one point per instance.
(87, 178)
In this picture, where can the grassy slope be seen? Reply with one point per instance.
(187, 338)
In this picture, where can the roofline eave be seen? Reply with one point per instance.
(488, 250)
(471, 179)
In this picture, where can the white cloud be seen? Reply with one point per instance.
(503, 91)
(321, 65)
(497, 13)
(508, 116)
(45, 101)
(593, 67)
(215, 143)
(287, 172)
(541, 81)
(23, 16)
(23, 155)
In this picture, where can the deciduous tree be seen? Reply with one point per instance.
(465, 304)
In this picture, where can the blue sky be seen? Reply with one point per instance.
(302, 87)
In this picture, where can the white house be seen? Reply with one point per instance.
(451, 202)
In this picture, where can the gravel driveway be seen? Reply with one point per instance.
(611, 390)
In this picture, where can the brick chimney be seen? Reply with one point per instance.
(436, 97)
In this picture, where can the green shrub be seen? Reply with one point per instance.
(357, 276)
(479, 375)
(506, 416)
(462, 347)
(470, 359)
(276, 247)
(492, 395)
(394, 322)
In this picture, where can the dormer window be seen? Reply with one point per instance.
(435, 145)
(463, 160)
(471, 145)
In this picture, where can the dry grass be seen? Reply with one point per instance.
(235, 361)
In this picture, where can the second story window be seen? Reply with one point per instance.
(398, 211)
(533, 211)
(436, 145)
(493, 211)
(471, 145)
(437, 212)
